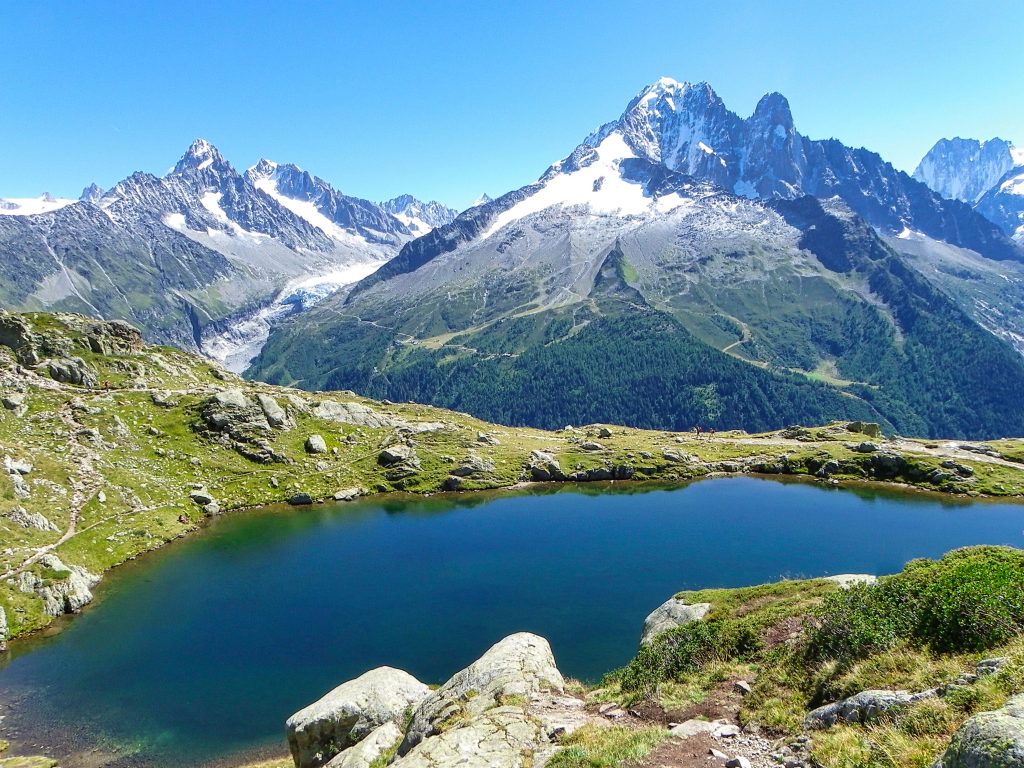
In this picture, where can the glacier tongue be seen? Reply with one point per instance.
(235, 347)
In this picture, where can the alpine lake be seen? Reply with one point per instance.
(197, 653)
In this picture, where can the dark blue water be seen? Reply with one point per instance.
(204, 649)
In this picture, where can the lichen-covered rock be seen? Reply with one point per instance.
(520, 665)
(504, 737)
(363, 754)
(989, 739)
(669, 615)
(864, 707)
(350, 712)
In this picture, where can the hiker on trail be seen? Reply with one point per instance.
(696, 431)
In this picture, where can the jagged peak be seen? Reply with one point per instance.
(263, 168)
(773, 109)
(91, 194)
(200, 155)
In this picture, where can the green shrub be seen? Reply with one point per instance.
(688, 648)
(970, 600)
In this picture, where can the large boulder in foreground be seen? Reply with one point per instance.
(989, 739)
(513, 670)
(863, 708)
(369, 749)
(504, 737)
(350, 713)
(669, 615)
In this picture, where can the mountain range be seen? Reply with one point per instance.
(682, 265)
(203, 256)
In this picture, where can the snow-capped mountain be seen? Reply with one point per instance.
(482, 200)
(965, 169)
(688, 129)
(30, 206)
(418, 216)
(741, 238)
(338, 215)
(987, 174)
(1004, 203)
(194, 255)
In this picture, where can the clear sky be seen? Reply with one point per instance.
(447, 100)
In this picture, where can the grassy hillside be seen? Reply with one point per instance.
(152, 441)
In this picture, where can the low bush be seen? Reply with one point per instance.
(969, 600)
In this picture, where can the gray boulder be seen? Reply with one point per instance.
(504, 737)
(989, 739)
(201, 496)
(352, 413)
(232, 398)
(395, 454)
(543, 465)
(864, 707)
(669, 615)
(350, 713)
(521, 665)
(473, 465)
(276, 415)
(15, 402)
(483, 437)
(72, 370)
(22, 517)
(369, 749)
(348, 494)
(316, 444)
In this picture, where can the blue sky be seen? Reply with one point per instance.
(450, 99)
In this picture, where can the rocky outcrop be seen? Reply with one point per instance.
(519, 666)
(72, 370)
(350, 712)
(864, 707)
(669, 615)
(62, 588)
(369, 749)
(231, 418)
(356, 414)
(400, 461)
(542, 465)
(275, 415)
(22, 517)
(989, 739)
(504, 737)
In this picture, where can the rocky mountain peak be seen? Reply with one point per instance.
(965, 169)
(91, 194)
(201, 155)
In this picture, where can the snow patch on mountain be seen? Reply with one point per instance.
(598, 187)
(31, 206)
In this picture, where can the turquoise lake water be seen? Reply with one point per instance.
(201, 651)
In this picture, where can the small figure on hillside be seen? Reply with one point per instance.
(697, 431)
(711, 432)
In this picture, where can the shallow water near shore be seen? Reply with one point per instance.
(202, 650)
